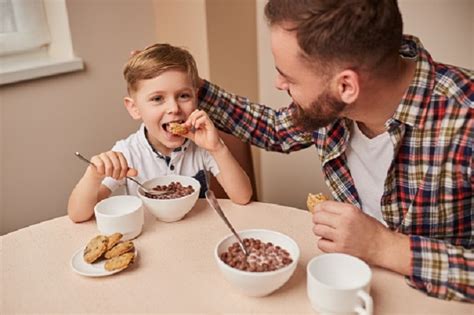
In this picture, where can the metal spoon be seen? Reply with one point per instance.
(151, 191)
(211, 198)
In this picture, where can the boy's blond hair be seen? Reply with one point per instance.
(156, 59)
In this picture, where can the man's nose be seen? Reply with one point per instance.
(280, 83)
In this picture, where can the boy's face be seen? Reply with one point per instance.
(169, 97)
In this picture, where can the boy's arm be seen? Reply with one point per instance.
(232, 177)
(87, 193)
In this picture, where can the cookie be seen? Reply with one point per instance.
(113, 240)
(119, 249)
(95, 248)
(178, 129)
(119, 262)
(314, 199)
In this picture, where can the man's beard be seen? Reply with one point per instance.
(322, 111)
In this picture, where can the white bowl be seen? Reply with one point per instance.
(122, 214)
(170, 210)
(258, 283)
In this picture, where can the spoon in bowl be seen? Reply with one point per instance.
(150, 191)
(211, 198)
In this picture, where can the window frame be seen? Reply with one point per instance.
(56, 58)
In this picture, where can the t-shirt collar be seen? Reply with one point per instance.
(144, 140)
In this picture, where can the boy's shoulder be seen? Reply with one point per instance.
(133, 142)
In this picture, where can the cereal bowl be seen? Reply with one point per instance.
(253, 283)
(174, 209)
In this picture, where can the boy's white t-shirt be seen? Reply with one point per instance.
(188, 160)
(368, 161)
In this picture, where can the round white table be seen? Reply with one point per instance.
(175, 271)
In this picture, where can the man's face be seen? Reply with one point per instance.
(317, 105)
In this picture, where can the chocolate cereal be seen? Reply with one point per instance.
(262, 256)
(172, 191)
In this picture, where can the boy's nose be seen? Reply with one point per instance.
(173, 106)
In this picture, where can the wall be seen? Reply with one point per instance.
(44, 121)
(445, 27)
(183, 23)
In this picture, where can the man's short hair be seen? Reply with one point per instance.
(360, 33)
(156, 59)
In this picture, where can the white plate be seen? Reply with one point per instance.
(91, 270)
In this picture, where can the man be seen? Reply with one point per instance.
(394, 131)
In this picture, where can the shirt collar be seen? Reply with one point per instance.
(415, 101)
(144, 141)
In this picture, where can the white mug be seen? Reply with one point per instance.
(123, 214)
(339, 283)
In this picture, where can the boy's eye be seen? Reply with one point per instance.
(185, 96)
(157, 98)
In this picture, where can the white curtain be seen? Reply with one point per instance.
(23, 26)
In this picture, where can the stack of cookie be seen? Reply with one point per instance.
(119, 254)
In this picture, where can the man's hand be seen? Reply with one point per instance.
(346, 229)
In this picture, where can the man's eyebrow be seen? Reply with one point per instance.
(282, 73)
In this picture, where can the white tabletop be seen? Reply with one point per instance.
(175, 271)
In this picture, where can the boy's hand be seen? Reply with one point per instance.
(205, 133)
(111, 164)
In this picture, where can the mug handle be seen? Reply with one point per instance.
(367, 302)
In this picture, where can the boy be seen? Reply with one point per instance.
(162, 84)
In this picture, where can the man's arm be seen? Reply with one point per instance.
(434, 266)
(272, 130)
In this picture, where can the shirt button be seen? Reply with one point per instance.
(172, 167)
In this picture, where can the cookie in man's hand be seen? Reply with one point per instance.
(314, 199)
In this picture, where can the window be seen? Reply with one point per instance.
(35, 40)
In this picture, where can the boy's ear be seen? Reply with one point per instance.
(132, 108)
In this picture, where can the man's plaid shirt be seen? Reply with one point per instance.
(428, 191)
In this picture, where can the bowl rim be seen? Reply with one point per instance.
(253, 273)
(139, 194)
(105, 200)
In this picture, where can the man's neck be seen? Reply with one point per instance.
(380, 99)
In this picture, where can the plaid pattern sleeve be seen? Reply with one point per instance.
(441, 269)
(260, 125)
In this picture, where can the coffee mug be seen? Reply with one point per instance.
(339, 283)
(123, 214)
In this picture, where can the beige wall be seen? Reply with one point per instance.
(183, 23)
(446, 28)
(44, 121)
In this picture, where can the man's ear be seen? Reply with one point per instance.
(132, 108)
(348, 86)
